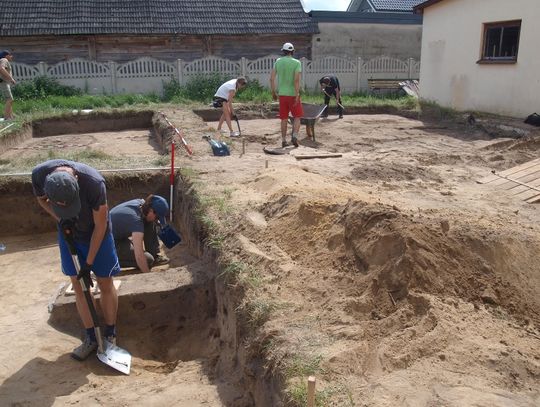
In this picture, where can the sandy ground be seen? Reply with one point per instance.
(409, 283)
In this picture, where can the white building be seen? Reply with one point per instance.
(481, 55)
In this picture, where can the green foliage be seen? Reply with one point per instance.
(258, 311)
(199, 88)
(96, 158)
(297, 395)
(42, 87)
(254, 92)
(303, 366)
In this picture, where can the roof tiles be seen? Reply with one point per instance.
(395, 5)
(198, 17)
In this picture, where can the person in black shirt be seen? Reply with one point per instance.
(330, 87)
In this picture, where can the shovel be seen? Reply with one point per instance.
(235, 117)
(108, 353)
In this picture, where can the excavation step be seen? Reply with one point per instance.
(164, 315)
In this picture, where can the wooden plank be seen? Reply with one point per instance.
(526, 175)
(534, 199)
(509, 171)
(524, 185)
(310, 156)
(529, 192)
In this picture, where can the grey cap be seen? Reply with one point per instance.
(62, 189)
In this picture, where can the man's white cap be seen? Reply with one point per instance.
(287, 47)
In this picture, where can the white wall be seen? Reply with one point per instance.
(451, 46)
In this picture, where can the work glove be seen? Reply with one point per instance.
(84, 274)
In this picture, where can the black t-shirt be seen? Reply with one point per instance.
(334, 82)
(92, 192)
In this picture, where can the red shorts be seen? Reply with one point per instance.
(287, 104)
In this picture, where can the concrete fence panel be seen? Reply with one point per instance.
(343, 68)
(93, 77)
(24, 72)
(147, 75)
(210, 66)
(260, 69)
(143, 75)
(386, 68)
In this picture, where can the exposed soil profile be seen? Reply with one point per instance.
(388, 273)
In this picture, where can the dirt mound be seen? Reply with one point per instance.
(384, 249)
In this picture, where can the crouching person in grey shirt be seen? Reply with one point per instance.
(135, 226)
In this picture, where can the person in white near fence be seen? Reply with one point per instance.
(6, 80)
(223, 98)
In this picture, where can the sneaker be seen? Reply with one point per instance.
(341, 116)
(111, 339)
(234, 134)
(294, 140)
(160, 260)
(84, 350)
(284, 144)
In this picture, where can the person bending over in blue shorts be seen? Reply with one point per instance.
(72, 191)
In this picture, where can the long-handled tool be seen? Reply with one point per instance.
(171, 182)
(182, 139)
(108, 353)
(235, 117)
(337, 100)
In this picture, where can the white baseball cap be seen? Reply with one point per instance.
(287, 47)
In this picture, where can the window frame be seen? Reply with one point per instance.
(499, 60)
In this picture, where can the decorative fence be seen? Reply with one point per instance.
(146, 75)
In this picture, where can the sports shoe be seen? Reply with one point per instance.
(111, 339)
(234, 134)
(160, 260)
(340, 116)
(294, 140)
(284, 144)
(84, 350)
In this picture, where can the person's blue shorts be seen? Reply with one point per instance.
(105, 264)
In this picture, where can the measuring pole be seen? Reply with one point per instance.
(171, 196)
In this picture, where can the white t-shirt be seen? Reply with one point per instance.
(223, 91)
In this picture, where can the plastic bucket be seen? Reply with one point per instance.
(169, 236)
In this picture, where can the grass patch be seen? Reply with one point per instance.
(88, 156)
(95, 158)
(433, 110)
(241, 273)
(303, 366)
(257, 310)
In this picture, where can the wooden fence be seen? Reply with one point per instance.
(146, 75)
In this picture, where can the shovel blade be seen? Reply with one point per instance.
(115, 357)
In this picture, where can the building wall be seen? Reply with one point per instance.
(450, 75)
(53, 49)
(367, 40)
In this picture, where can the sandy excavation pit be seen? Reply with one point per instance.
(390, 267)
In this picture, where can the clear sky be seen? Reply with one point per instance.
(336, 5)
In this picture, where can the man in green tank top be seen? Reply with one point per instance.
(288, 70)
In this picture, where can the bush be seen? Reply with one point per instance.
(42, 87)
(200, 88)
(254, 92)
